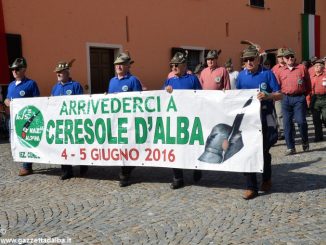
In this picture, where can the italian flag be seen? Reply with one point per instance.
(310, 36)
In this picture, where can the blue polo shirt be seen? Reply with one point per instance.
(262, 79)
(265, 81)
(187, 81)
(68, 88)
(128, 83)
(27, 88)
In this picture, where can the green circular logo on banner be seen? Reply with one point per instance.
(29, 125)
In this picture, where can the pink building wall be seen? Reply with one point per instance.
(60, 30)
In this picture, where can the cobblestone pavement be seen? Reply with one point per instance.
(95, 210)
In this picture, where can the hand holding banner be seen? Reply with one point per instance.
(211, 130)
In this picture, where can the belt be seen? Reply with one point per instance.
(320, 94)
(293, 95)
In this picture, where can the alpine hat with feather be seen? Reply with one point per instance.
(63, 65)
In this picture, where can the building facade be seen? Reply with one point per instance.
(94, 32)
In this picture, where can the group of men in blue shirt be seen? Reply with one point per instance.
(253, 76)
(23, 87)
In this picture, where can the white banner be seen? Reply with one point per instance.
(210, 130)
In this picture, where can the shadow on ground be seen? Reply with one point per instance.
(287, 177)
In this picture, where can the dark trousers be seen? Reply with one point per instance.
(177, 173)
(66, 168)
(126, 171)
(269, 134)
(28, 165)
(318, 109)
(251, 178)
(294, 107)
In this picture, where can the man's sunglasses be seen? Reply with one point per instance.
(17, 69)
(251, 59)
(174, 65)
(289, 56)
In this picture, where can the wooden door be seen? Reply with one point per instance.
(102, 69)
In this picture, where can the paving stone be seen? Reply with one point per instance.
(94, 210)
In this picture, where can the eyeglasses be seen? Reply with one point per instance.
(251, 59)
(289, 56)
(174, 65)
(17, 69)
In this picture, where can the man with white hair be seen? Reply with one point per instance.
(252, 77)
(67, 86)
(295, 86)
(124, 81)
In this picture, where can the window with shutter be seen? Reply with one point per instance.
(14, 49)
(309, 6)
(194, 57)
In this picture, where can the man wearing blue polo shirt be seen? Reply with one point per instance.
(21, 87)
(67, 86)
(254, 76)
(124, 82)
(181, 80)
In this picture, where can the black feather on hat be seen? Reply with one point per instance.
(18, 63)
